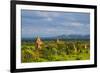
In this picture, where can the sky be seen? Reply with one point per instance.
(51, 23)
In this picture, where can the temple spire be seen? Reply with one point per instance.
(38, 43)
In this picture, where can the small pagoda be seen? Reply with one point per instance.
(57, 40)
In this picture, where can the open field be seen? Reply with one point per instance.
(51, 50)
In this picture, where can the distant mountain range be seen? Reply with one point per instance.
(73, 37)
(64, 37)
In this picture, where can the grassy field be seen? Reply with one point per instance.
(69, 50)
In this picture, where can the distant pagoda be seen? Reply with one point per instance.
(57, 40)
(38, 43)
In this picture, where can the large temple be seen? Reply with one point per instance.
(38, 43)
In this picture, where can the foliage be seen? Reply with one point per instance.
(55, 51)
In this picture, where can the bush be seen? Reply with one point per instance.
(55, 51)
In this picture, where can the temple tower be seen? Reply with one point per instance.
(38, 43)
(58, 40)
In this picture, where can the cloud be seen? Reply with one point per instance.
(45, 23)
(76, 24)
(49, 16)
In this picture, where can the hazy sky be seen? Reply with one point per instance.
(46, 23)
